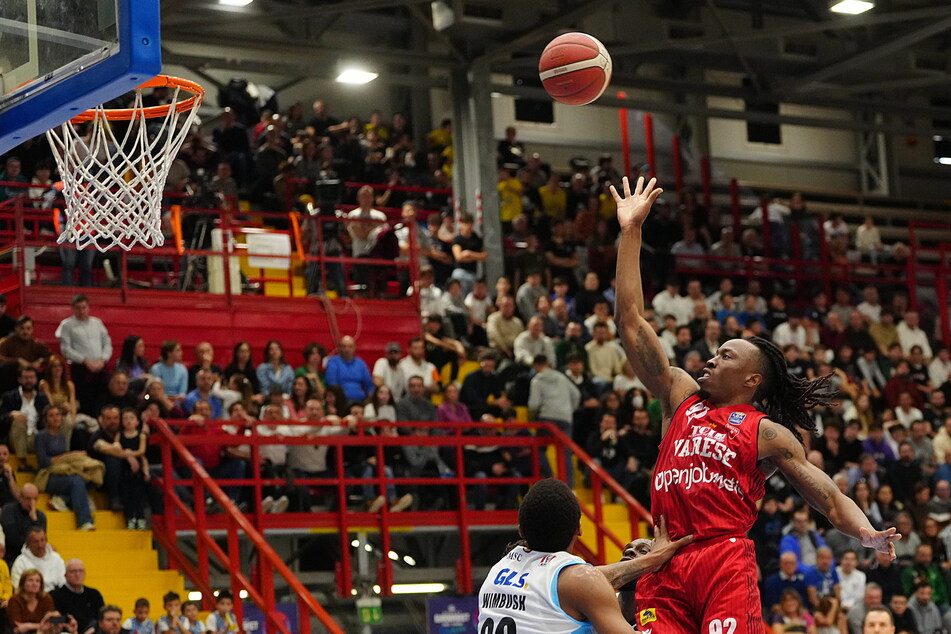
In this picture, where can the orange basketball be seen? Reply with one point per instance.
(575, 68)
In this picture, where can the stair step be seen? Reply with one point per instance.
(106, 560)
(63, 521)
(95, 540)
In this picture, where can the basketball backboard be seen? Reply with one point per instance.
(59, 58)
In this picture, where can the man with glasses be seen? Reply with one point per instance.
(77, 599)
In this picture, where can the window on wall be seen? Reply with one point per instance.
(942, 144)
(533, 110)
(758, 132)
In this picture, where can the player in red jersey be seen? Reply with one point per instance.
(723, 435)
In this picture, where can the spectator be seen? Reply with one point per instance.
(204, 360)
(313, 368)
(170, 371)
(139, 622)
(790, 616)
(851, 580)
(922, 607)
(37, 554)
(173, 620)
(487, 462)
(942, 440)
(902, 383)
(349, 371)
(910, 335)
(441, 349)
(688, 251)
(605, 358)
(939, 370)
(726, 247)
(274, 370)
(133, 364)
(871, 307)
(483, 386)
(923, 570)
(790, 332)
(424, 461)
(939, 507)
(562, 256)
(21, 350)
(453, 307)
(17, 519)
(709, 344)
(118, 394)
(887, 574)
(52, 447)
(85, 343)
(9, 489)
(12, 172)
(74, 598)
(572, 344)
(868, 240)
(528, 294)
(452, 410)
(821, 579)
(20, 414)
(601, 315)
(607, 447)
(386, 370)
(480, 307)
(242, 363)
(204, 382)
(415, 406)
(504, 327)
(468, 251)
(533, 342)
(29, 608)
(884, 332)
(415, 364)
(791, 576)
(553, 397)
(801, 539)
(7, 323)
(871, 602)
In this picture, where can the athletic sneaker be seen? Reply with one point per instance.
(140, 524)
(267, 504)
(57, 503)
(131, 525)
(376, 505)
(402, 503)
(88, 526)
(280, 504)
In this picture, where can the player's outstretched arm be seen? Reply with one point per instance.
(586, 595)
(662, 549)
(779, 445)
(669, 385)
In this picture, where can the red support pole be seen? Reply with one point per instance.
(678, 164)
(735, 208)
(649, 145)
(625, 135)
(706, 182)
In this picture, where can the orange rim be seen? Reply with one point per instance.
(152, 112)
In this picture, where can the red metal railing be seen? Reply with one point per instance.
(179, 517)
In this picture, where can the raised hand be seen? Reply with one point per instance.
(882, 541)
(632, 209)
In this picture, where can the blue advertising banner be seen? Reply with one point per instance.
(452, 615)
(254, 618)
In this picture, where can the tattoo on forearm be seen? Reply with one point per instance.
(806, 479)
(654, 364)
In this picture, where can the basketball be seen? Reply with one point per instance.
(575, 69)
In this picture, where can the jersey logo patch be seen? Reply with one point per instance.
(547, 559)
(697, 410)
(646, 616)
(737, 418)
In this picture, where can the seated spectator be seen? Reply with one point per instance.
(424, 461)
(313, 368)
(877, 447)
(608, 448)
(910, 335)
(791, 576)
(605, 358)
(349, 371)
(687, 250)
(416, 406)
(381, 406)
(801, 539)
(310, 460)
(102, 447)
(386, 370)
(601, 315)
(503, 327)
(935, 409)
(59, 389)
(551, 323)
(870, 604)
(17, 519)
(588, 295)
(441, 349)
(204, 360)
(887, 574)
(274, 456)
(487, 462)
(822, 580)
(74, 598)
(709, 344)
(484, 389)
(394, 462)
(939, 370)
(851, 580)
(533, 342)
(110, 621)
(242, 363)
(274, 370)
(222, 461)
(901, 382)
(454, 309)
(529, 292)
(939, 507)
(29, 607)
(20, 413)
(294, 403)
(51, 448)
(117, 393)
(922, 606)
(905, 412)
(452, 410)
(571, 345)
(415, 364)
(20, 350)
(133, 364)
(139, 622)
(171, 372)
(727, 247)
(37, 554)
(790, 615)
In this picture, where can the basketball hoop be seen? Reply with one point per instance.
(113, 179)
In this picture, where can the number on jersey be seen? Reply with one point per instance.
(725, 626)
(506, 626)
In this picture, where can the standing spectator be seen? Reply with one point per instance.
(85, 343)
(170, 371)
(910, 335)
(553, 398)
(349, 371)
(868, 240)
(274, 370)
(468, 251)
(503, 327)
(18, 518)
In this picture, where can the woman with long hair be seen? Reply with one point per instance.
(790, 615)
(862, 494)
(51, 447)
(237, 390)
(886, 506)
(132, 363)
(241, 362)
(30, 604)
(828, 615)
(57, 386)
(301, 392)
(452, 410)
(336, 402)
(274, 370)
(313, 367)
(381, 405)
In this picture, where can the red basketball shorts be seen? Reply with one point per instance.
(708, 587)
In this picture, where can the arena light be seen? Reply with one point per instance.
(851, 7)
(243, 594)
(356, 76)
(194, 596)
(417, 588)
(235, 3)
(943, 160)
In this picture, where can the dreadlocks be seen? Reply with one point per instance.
(785, 398)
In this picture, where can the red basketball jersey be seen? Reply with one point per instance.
(707, 480)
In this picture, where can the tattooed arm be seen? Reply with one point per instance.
(778, 445)
(641, 344)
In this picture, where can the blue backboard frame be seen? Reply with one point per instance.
(49, 104)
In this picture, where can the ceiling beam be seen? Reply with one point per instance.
(886, 85)
(427, 22)
(836, 24)
(219, 17)
(542, 31)
(892, 46)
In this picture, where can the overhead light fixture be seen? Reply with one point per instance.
(194, 595)
(235, 3)
(356, 76)
(417, 588)
(943, 160)
(851, 7)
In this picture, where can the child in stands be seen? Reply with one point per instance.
(195, 624)
(135, 469)
(222, 620)
(173, 620)
(140, 623)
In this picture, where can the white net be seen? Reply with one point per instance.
(114, 173)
